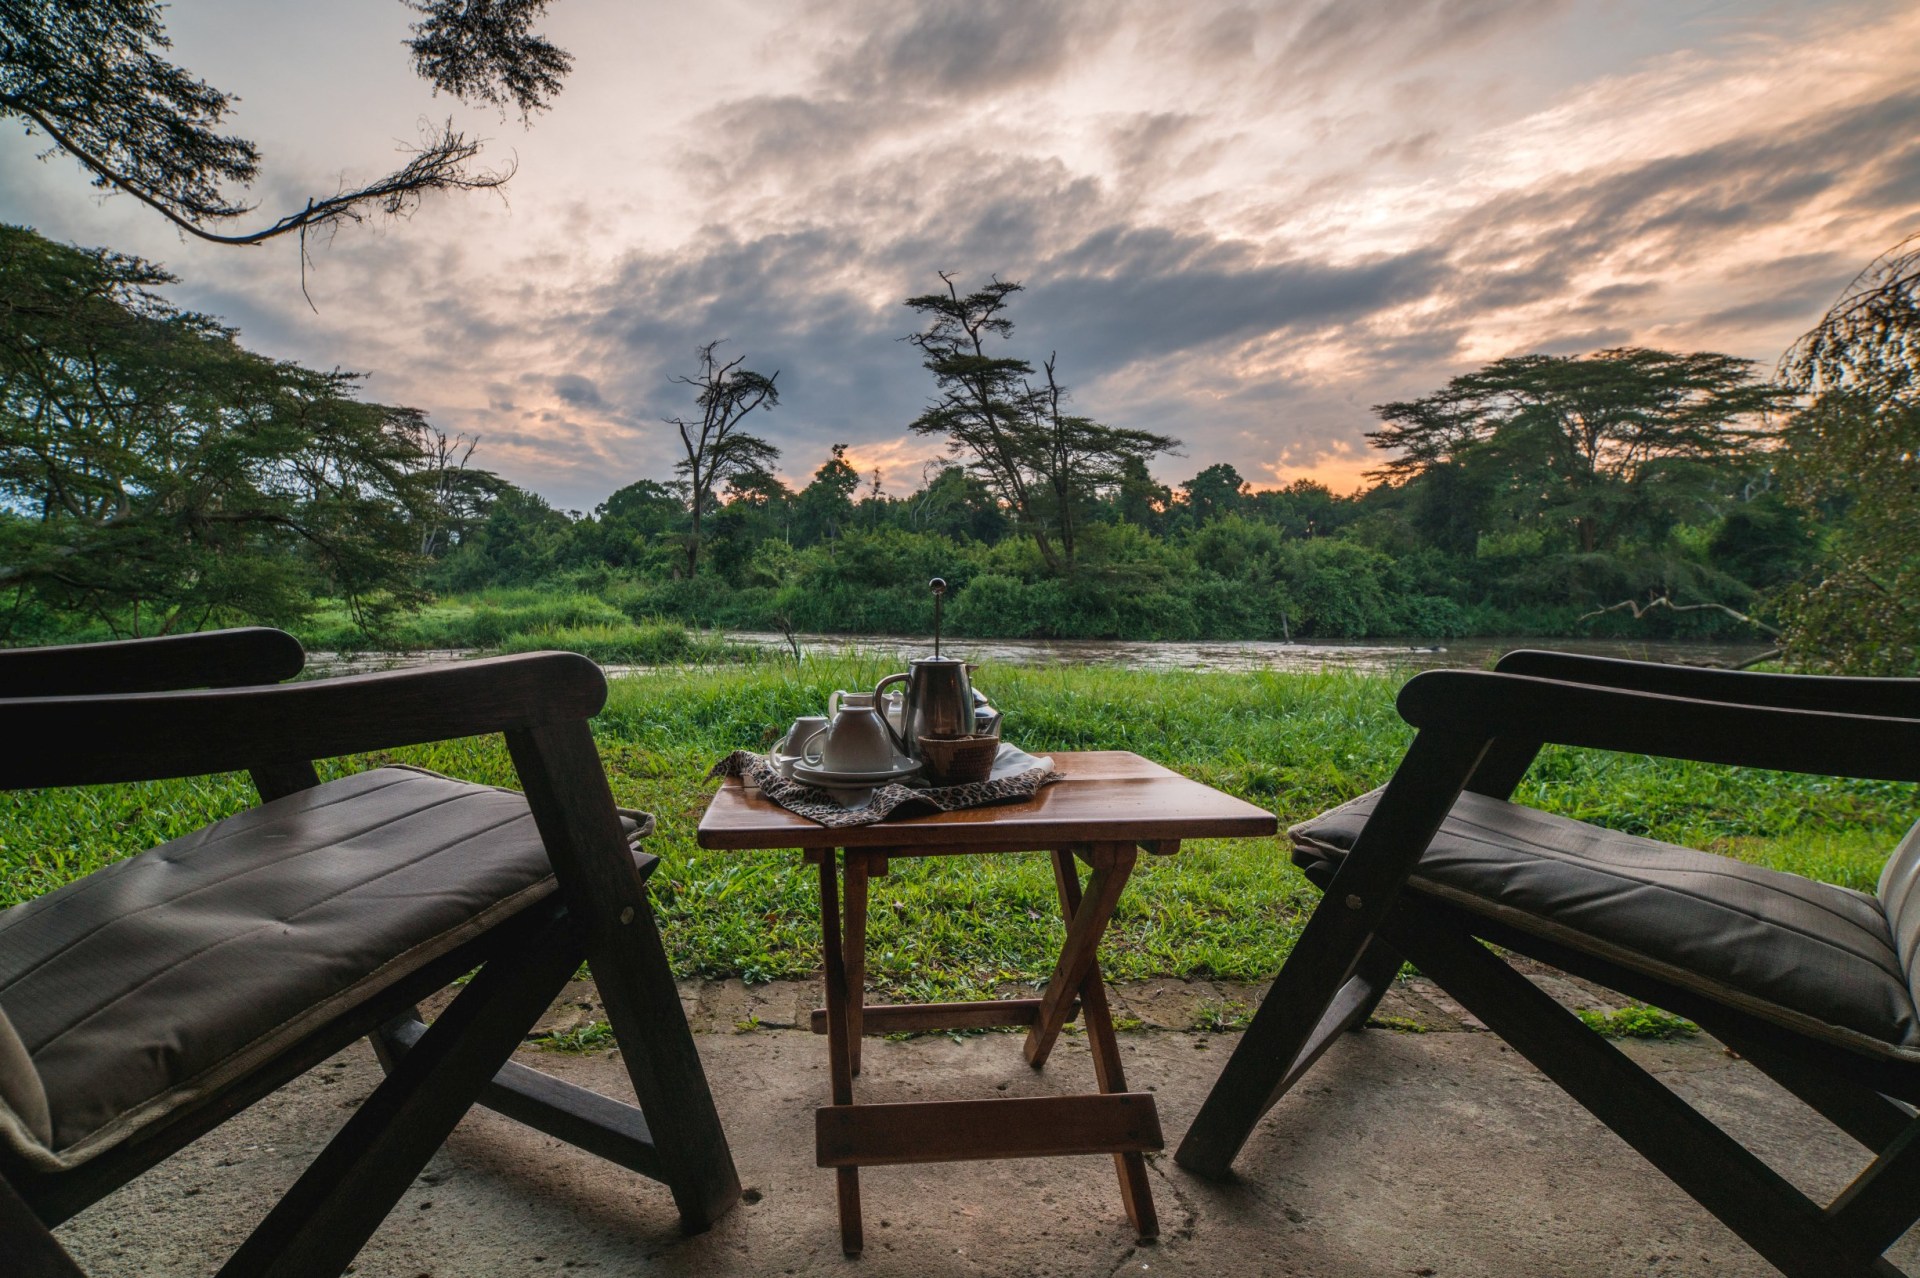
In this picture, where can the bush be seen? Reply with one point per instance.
(655, 643)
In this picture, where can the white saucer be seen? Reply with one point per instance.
(901, 769)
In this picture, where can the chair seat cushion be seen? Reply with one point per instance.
(1788, 948)
(158, 979)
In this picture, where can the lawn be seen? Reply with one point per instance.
(957, 928)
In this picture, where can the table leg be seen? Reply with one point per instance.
(856, 954)
(839, 1059)
(1113, 863)
(1135, 1192)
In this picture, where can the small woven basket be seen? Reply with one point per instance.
(958, 760)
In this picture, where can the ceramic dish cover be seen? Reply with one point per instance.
(901, 769)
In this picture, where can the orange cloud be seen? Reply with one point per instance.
(1339, 465)
(900, 462)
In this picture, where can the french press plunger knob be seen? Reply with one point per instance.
(939, 587)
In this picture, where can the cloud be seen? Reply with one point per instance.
(1238, 225)
(1338, 35)
(577, 390)
(982, 48)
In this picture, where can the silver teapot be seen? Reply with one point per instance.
(939, 700)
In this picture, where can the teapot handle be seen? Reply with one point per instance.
(881, 706)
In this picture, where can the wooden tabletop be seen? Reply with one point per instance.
(1107, 796)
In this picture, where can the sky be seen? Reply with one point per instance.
(1241, 225)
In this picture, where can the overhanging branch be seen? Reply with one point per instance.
(438, 165)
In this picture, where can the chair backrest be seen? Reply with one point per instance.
(1899, 894)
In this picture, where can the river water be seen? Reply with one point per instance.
(1366, 655)
(1369, 655)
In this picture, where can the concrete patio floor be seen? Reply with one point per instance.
(1435, 1153)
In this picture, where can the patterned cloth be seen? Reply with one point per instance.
(894, 799)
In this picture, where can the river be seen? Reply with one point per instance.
(1369, 655)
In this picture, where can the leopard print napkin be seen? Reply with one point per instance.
(894, 800)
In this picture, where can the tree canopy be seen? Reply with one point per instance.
(1855, 466)
(93, 76)
(1597, 444)
(159, 476)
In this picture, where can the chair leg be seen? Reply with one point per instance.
(331, 1211)
(1874, 1120)
(1279, 1047)
(1880, 1205)
(1378, 968)
(1774, 1218)
(566, 787)
(29, 1246)
(1318, 994)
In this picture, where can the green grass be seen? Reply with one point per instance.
(960, 927)
(1637, 1021)
(590, 1037)
(656, 643)
(527, 620)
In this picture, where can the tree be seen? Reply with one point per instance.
(162, 476)
(521, 539)
(1218, 490)
(981, 404)
(631, 523)
(1078, 458)
(459, 495)
(1304, 508)
(1041, 461)
(1597, 444)
(1138, 499)
(1854, 457)
(715, 446)
(955, 504)
(93, 77)
(825, 507)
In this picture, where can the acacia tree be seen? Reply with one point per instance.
(1855, 464)
(158, 476)
(715, 446)
(1079, 458)
(93, 77)
(1043, 462)
(1595, 443)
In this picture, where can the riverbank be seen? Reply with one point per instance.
(618, 630)
(1294, 743)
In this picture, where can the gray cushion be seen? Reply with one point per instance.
(1790, 948)
(160, 978)
(1900, 900)
(23, 1098)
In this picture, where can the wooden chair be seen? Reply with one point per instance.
(1813, 984)
(145, 1004)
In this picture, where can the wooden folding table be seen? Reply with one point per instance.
(1111, 806)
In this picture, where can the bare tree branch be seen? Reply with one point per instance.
(1640, 611)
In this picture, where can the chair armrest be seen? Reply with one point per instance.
(211, 659)
(1495, 705)
(1896, 697)
(96, 740)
